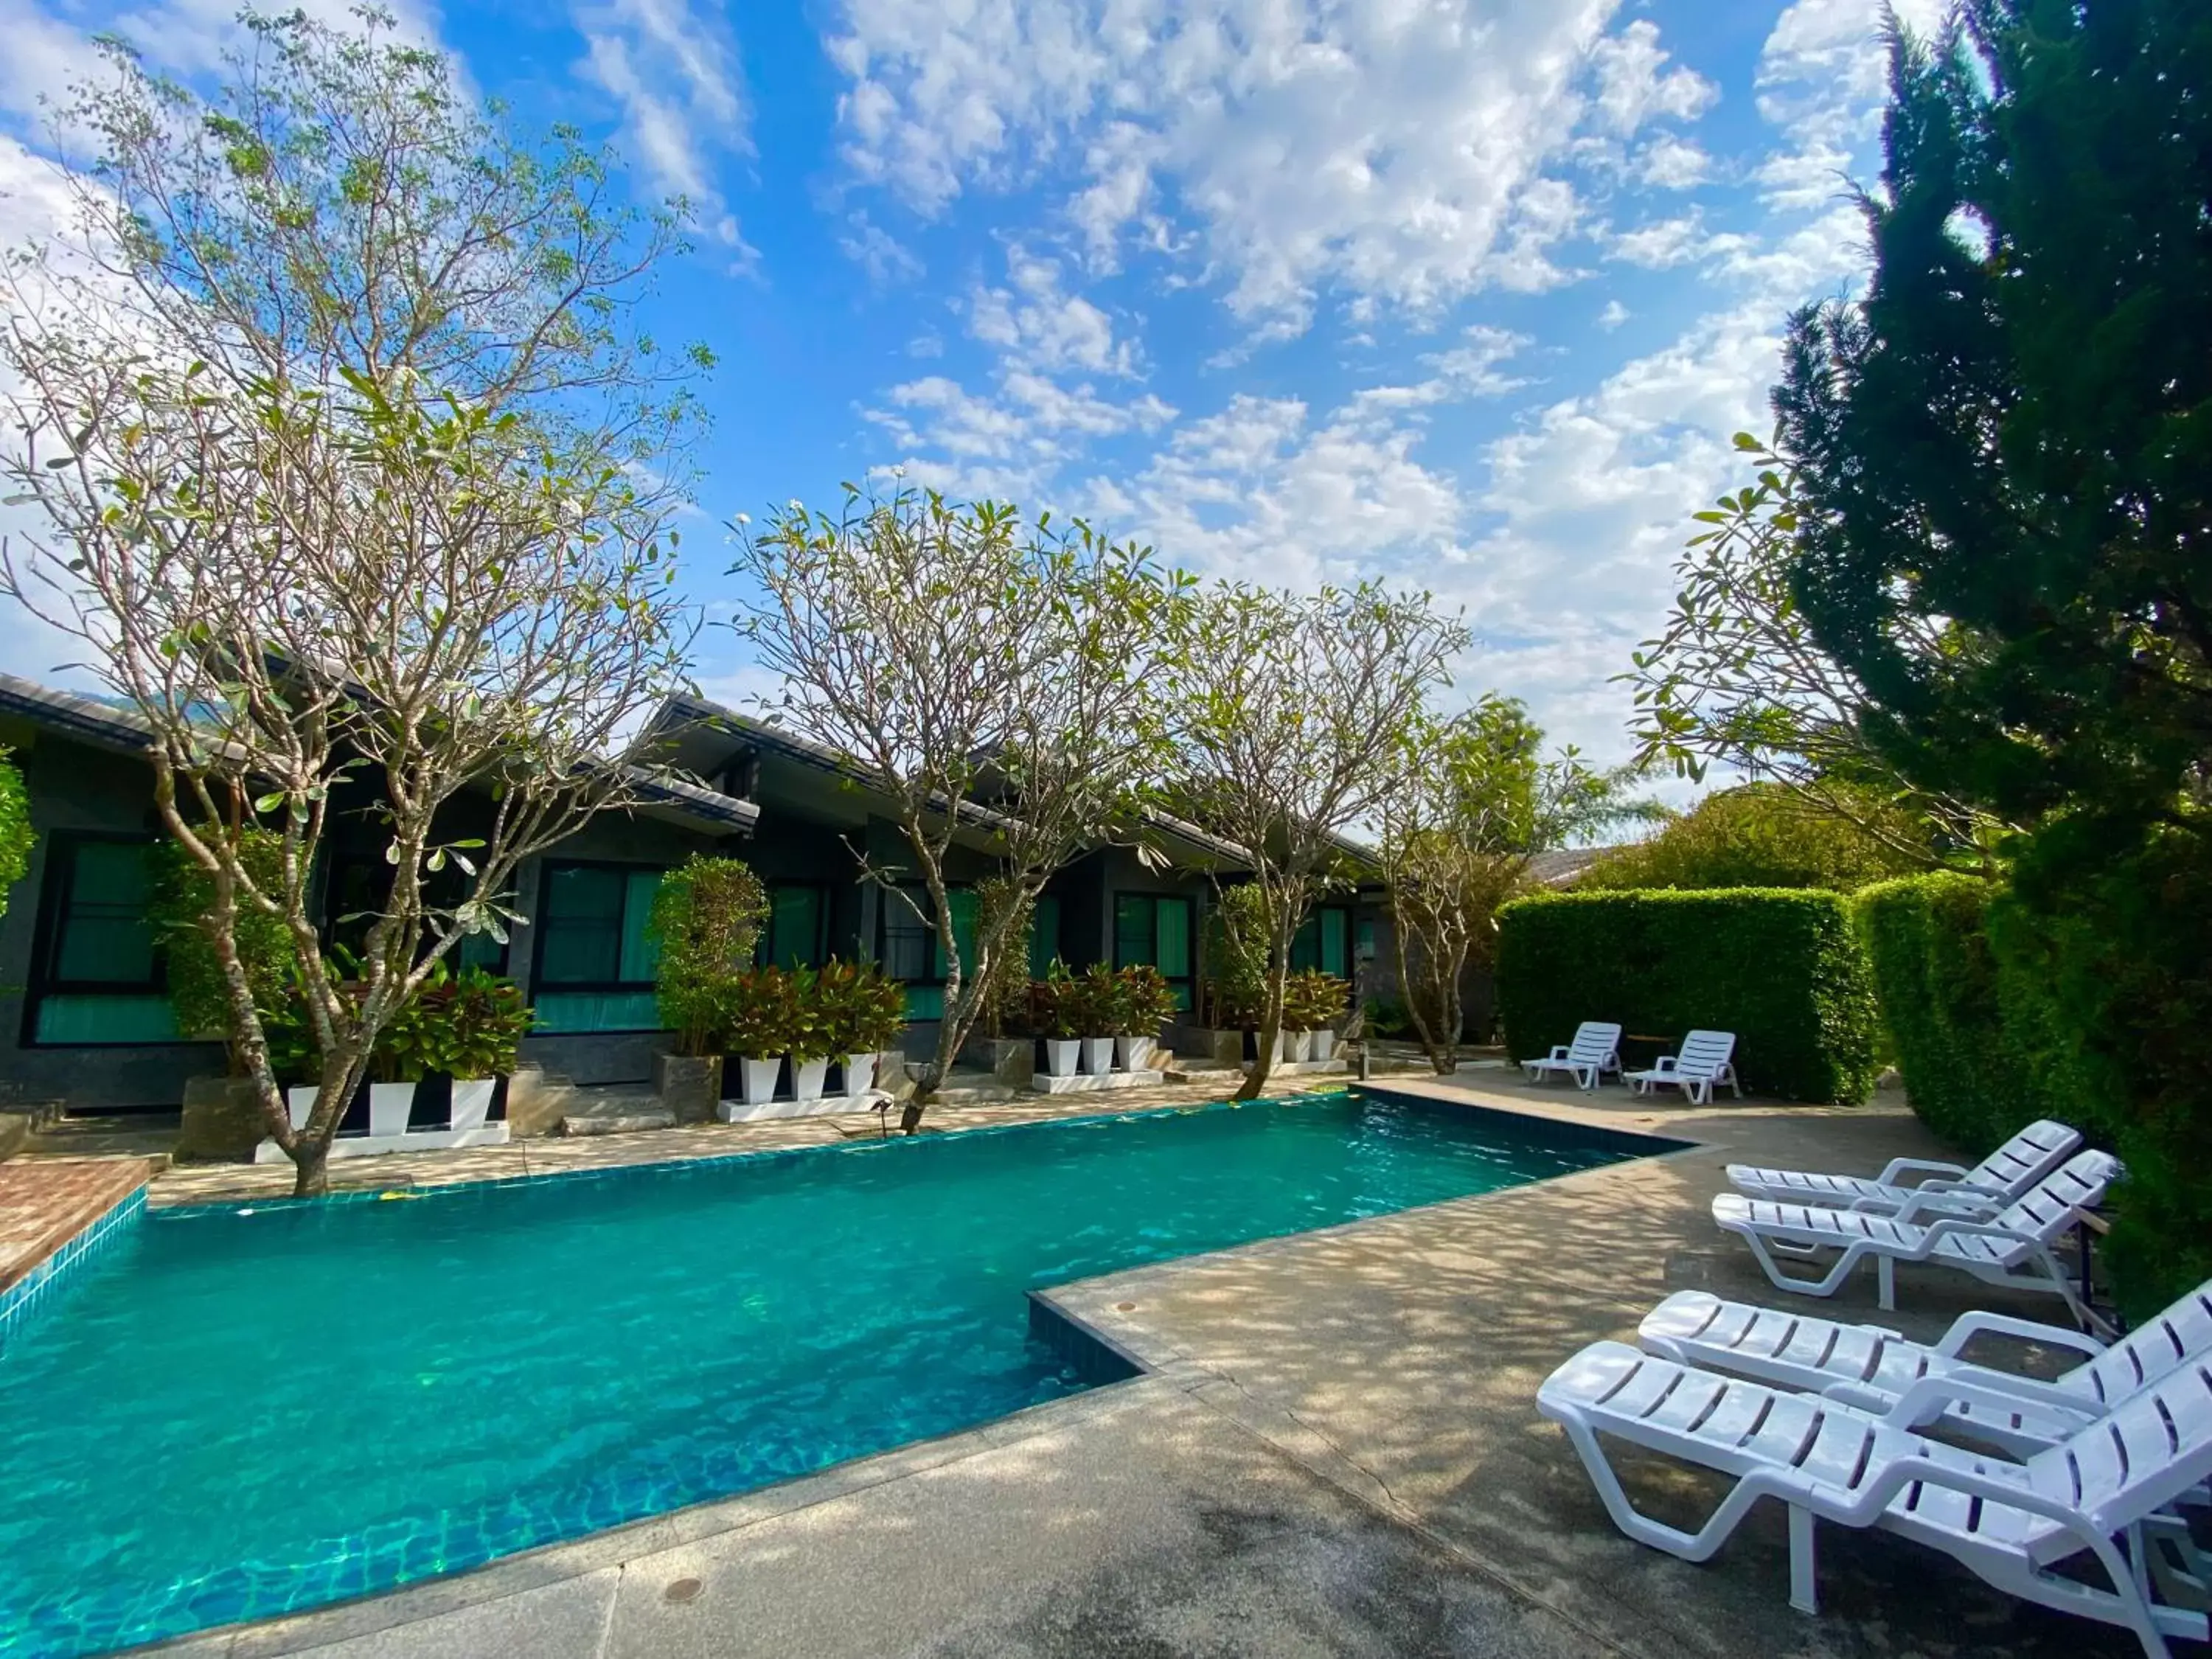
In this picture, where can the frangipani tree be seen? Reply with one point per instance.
(328, 408)
(998, 682)
(1295, 711)
(1472, 799)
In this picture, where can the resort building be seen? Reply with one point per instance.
(85, 1018)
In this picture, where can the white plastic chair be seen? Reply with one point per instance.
(2103, 1492)
(1708, 1058)
(2014, 1247)
(1998, 1180)
(1907, 1382)
(1595, 1052)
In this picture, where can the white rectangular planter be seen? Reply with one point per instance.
(859, 1077)
(1135, 1053)
(1301, 1047)
(759, 1079)
(807, 1077)
(389, 1104)
(1097, 1055)
(1324, 1043)
(1059, 1056)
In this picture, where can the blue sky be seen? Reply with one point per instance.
(1467, 294)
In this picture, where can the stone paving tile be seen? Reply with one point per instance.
(205, 1184)
(45, 1202)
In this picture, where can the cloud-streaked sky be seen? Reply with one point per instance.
(1468, 294)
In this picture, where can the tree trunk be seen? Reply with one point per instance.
(1271, 1018)
(311, 1167)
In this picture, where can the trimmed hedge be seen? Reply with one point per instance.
(1936, 980)
(1781, 967)
(2084, 998)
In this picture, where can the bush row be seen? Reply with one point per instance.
(1781, 968)
(2006, 1005)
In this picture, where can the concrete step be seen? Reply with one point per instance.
(610, 1123)
(614, 1109)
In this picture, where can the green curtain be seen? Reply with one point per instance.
(103, 934)
(640, 950)
(1044, 934)
(1136, 930)
(794, 926)
(1334, 928)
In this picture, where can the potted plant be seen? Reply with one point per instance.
(707, 916)
(449, 1047)
(1146, 1003)
(1312, 1001)
(1097, 1016)
(221, 1115)
(862, 1012)
(753, 1021)
(807, 1030)
(1053, 1013)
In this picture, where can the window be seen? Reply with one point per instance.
(99, 975)
(1044, 934)
(798, 926)
(1154, 930)
(1321, 942)
(356, 886)
(595, 960)
(911, 950)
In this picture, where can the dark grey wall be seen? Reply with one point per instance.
(77, 786)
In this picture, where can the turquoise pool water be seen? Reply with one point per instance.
(237, 1412)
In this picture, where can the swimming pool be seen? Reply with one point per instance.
(246, 1411)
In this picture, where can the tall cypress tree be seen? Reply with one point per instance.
(2011, 436)
(2014, 430)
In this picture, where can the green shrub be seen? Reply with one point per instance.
(1935, 980)
(2103, 987)
(708, 916)
(183, 894)
(1237, 956)
(1758, 835)
(469, 1024)
(15, 836)
(1782, 970)
(862, 1012)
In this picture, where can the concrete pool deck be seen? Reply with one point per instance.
(1337, 1452)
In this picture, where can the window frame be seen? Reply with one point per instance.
(1314, 920)
(539, 986)
(56, 875)
(1187, 981)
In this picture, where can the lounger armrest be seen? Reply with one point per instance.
(1921, 1200)
(1965, 1328)
(1962, 1228)
(1926, 1399)
(1664, 1063)
(1558, 1052)
(1874, 1497)
(1898, 1166)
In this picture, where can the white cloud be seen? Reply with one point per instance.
(1401, 155)
(1662, 243)
(1613, 315)
(1672, 162)
(674, 70)
(1820, 80)
(1032, 319)
(876, 251)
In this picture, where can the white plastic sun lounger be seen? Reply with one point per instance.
(2102, 1492)
(1907, 1382)
(1998, 1180)
(2013, 1247)
(1707, 1060)
(1594, 1051)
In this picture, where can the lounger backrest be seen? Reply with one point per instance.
(2152, 1351)
(1593, 1040)
(2144, 1454)
(1703, 1052)
(2026, 1158)
(2046, 1209)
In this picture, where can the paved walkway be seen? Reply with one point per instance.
(46, 1202)
(1337, 1452)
